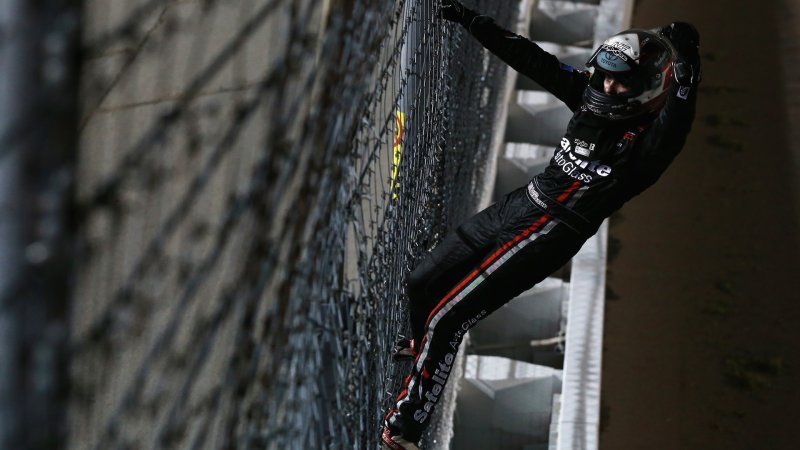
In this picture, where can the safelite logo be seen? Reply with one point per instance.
(575, 166)
(439, 379)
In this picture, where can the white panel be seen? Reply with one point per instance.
(580, 397)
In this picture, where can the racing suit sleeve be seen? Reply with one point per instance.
(666, 136)
(527, 58)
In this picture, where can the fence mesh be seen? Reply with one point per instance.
(255, 180)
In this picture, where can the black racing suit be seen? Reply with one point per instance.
(517, 242)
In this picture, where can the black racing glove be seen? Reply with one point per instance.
(454, 11)
(684, 37)
(686, 40)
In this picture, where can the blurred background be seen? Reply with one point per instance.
(208, 208)
(701, 335)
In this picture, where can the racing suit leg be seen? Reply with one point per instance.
(444, 267)
(487, 261)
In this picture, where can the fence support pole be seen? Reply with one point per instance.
(38, 117)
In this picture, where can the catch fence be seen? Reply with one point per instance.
(255, 180)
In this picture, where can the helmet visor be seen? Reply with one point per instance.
(613, 58)
(612, 62)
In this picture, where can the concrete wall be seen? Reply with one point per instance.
(170, 133)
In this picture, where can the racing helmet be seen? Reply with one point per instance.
(642, 61)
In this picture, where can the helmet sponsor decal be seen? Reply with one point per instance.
(612, 62)
(621, 46)
(626, 46)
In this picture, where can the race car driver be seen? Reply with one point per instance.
(633, 109)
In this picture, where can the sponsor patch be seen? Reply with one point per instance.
(683, 92)
(613, 62)
(534, 195)
(583, 148)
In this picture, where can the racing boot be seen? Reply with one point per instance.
(395, 442)
(404, 350)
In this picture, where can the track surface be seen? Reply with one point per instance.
(702, 320)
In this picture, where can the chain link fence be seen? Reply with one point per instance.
(255, 179)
